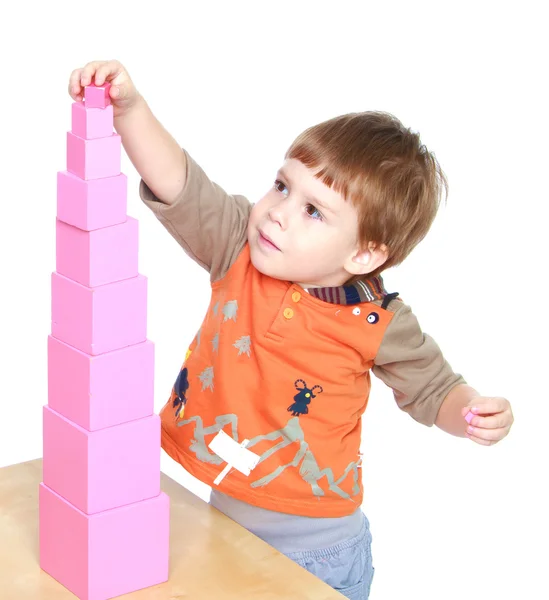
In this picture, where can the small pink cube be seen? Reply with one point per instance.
(96, 392)
(103, 469)
(93, 159)
(98, 257)
(108, 554)
(91, 123)
(91, 204)
(97, 96)
(469, 417)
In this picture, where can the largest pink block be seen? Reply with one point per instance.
(101, 391)
(95, 258)
(107, 554)
(100, 319)
(100, 470)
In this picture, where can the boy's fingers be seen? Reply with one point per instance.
(479, 440)
(487, 435)
(101, 74)
(492, 406)
(107, 72)
(119, 91)
(98, 72)
(74, 84)
(491, 422)
(88, 72)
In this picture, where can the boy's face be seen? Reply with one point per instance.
(313, 229)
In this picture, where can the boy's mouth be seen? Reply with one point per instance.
(266, 241)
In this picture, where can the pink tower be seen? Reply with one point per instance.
(104, 523)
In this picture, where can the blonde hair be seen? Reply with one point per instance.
(384, 169)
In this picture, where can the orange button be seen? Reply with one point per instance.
(288, 313)
(296, 296)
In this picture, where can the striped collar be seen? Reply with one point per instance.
(366, 290)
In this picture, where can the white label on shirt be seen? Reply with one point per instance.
(234, 454)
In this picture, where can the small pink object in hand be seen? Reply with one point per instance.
(97, 96)
(469, 417)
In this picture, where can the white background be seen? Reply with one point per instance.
(235, 82)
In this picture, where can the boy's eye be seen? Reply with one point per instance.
(278, 184)
(310, 209)
(313, 212)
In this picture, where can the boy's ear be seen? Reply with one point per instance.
(366, 260)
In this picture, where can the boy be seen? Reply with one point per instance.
(298, 317)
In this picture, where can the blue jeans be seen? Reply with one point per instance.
(347, 566)
(336, 550)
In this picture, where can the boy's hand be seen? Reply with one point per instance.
(492, 421)
(122, 92)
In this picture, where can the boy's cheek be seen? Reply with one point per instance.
(255, 215)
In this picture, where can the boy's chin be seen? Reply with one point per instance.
(261, 264)
(264, 270)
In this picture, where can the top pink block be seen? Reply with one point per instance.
(97, 96)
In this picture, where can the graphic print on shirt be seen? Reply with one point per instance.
(372, 318)
(243, 344)
(303, 398)
(285, 448)
(206, 377)
(179, 392)
(229, 310)
(291, 433)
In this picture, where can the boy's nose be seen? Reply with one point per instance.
(276, 214)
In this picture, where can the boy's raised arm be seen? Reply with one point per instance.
(153, 151)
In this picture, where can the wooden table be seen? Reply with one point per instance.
(211, 556)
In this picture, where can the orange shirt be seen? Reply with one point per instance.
(288, 370)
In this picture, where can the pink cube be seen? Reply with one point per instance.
(108, 554)
(92, 123)
(101, 391)
(101, 319)
(103, 469)
(98, 257)
(91, 204)
(97, 96)
(93, 159)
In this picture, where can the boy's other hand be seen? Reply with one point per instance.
(123, 92)
(492, 420)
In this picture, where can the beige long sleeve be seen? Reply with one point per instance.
(411, 363)
(208, 223)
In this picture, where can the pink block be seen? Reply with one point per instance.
(91, 204)
(101, 319)
(108, 554)
(101, 391)
(91, 123)
(93, 159)
(103, 469)
(97, 96)
(98, 257)
(469, 417)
